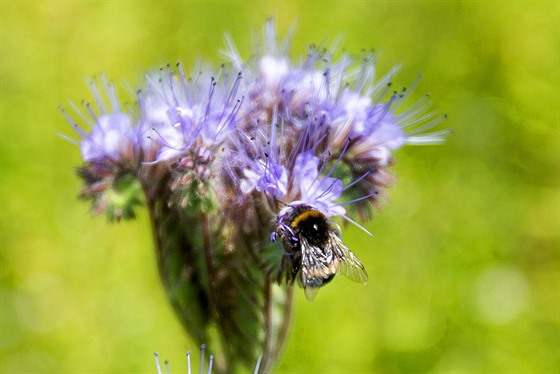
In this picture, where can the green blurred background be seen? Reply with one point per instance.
(464, 263)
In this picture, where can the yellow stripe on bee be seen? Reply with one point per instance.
(305, 215)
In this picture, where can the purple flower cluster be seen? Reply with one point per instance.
(254, 152)
(318, 132)
(272, 133)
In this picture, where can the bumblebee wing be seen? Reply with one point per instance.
(310, 292)
(350, 266)
(317, 267)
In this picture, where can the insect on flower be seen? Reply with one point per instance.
(315, 251)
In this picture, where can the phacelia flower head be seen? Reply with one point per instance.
(112, 136)
(228, 160)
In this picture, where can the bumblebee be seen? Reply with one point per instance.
(314, 251)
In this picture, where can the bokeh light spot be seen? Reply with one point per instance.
(413, 328)
(501, 292)
(38, 297)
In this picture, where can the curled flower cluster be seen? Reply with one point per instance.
(263, 151)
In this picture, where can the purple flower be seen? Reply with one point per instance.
(181, 112)
(269, 177)
(315, 191)
(110, 138)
